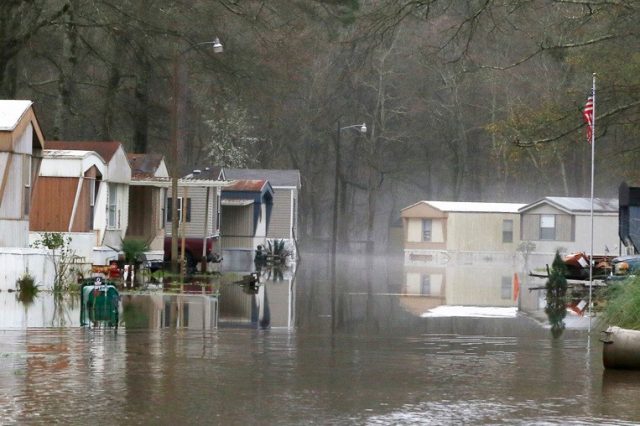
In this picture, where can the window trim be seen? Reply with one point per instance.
(112, 206)
(507, 232)
(554, 228)
(181, 203)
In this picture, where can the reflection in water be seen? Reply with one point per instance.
(382, 364)
(270, 303)
(199, 312)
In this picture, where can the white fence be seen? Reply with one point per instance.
(14, 262)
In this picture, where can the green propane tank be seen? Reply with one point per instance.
(100, 300)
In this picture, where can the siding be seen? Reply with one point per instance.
(82, 219)
(11, 185)
(564, 227)
(481, 232)
(414, 230)
(237, 227)
(280, 223)
(198, 196)
(141, 212)
(52, 204)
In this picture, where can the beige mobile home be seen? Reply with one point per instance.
(466, 232)
(199, 212)
(564, 224)
(147, 195)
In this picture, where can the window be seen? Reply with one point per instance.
(93, 190)
(26, 178)
(218, 211)
(506, 288)
(507, 231)
(426, 229)
(425, 285)
(547, 227)
(113, 207)
(187, 209)
(294, 222)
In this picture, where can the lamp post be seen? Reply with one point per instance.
(362, 128)
(175, 82)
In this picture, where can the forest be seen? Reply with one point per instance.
(474, 100)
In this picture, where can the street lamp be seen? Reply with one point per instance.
(362, 128)
(175, 82)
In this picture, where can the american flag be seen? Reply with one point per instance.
(587, 114)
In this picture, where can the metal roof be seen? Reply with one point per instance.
(144, 165)
(577, 204)
(473, 207)
(106, 149)
(274, 176)
(11, 111)
(69, 154)
(246, 185)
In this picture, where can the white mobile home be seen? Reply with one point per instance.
(109, 223)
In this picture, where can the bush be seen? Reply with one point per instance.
(27, 288)
(622, 307)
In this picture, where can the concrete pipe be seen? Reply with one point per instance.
(621, 349)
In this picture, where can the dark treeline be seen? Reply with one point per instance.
(463, 100)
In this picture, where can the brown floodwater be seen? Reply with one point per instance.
(304, 348)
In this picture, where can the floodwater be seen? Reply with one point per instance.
(372, 346)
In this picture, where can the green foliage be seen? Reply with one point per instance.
(622, 306)
(60, 254)
(277, 248)
(27, 288)
(556, 295)
(133, 249)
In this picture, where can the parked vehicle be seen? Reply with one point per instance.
(192, 251)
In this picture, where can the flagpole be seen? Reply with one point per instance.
(593, 150)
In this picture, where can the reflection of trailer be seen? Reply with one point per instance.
(99, 303)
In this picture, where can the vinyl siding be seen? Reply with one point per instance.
(280, 224)
(481, 232)
(237, 227)
(198, 196)
(11, 185)
(564, 227)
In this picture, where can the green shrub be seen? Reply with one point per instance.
(133, 249)
(27, 288)
(622, 306)
(556, 295)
